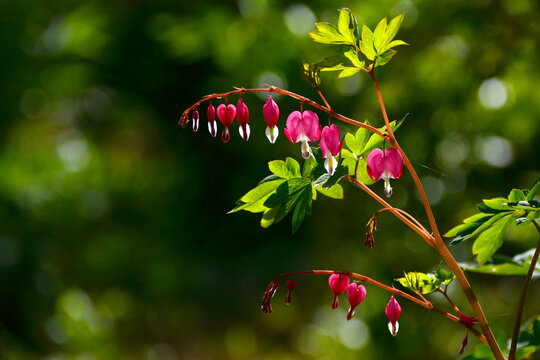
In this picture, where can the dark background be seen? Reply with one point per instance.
(114, 238)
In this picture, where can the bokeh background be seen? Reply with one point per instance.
(114, 238)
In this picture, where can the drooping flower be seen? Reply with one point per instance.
(242, 113)
(355, 294)
(212, 125)
(338, 284)
(271, 115)
(291, 284)
(387, 165)
(303, 127)
(226, 114)
(195, 120)
(330, 146)
(393, 311)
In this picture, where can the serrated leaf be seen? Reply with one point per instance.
(335, 192)
(379, 35)
(366, 45)
(490, 240)
(303, 207)
(393, 27)
(348, 72)
(385, 57)
(346, 25)
(327, 33)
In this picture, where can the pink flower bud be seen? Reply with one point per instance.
(226, 114)
(195, 120)
(330, 146)
(212, 125)
(467, 320)
(303, 127)
(291, 284)
(338, 284)
(355, 294)
(242, 113)
(387, 165)
(393, 311)
(271, 115)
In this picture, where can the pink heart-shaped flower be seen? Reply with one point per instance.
(226, 114)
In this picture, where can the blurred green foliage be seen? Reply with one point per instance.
(114, 242)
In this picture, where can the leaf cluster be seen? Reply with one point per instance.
(422, 283)
(364, 49)
(291, 188)
(490, 225)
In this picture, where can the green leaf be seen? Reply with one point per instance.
(340, 172)
(285, 191)
(285, 169)
(499, 204)
(352, 55)
(357, 142)
(348, 72)
(289, 204)
(268, 217)
(379, 36)
(347, 25)
(516, 196)
(477, 217)
(327, 33)
(309, 164)
(498, 265)
(362, 173)
(254, 200)
(395, 43)
(532, 192)
(334, 63)
(490, 240)
(303, 207)
(444, 276)
(420, 283)
(393, 27)
(366, 45)
(376, 140)
(385, 57)
(335, 192)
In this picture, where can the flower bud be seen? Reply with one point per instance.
(291, 284)
(393, 311)
(195, 120)
(242, 113)
(271, 115)
(212, 125)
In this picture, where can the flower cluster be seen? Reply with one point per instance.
(301, 127)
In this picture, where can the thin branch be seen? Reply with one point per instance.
(438, 242)
(420, 230)
(456, 309)
(526, 285)
(270, 89)
(409, 216)
(425, 304)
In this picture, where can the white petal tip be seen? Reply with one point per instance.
(212, 128)
(244, 134)
(306, 150)
(393, 330)
(272, 134)
(330, 164)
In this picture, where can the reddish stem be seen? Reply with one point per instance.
(425, 304)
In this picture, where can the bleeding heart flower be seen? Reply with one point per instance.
(212, 125)
(393, 311)
(271, 115)
(387, 165)
(355, 294)
(242, 113)
(226, 114)
(330, 146)
(303, 127)
(195, 120)
(338, 284)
